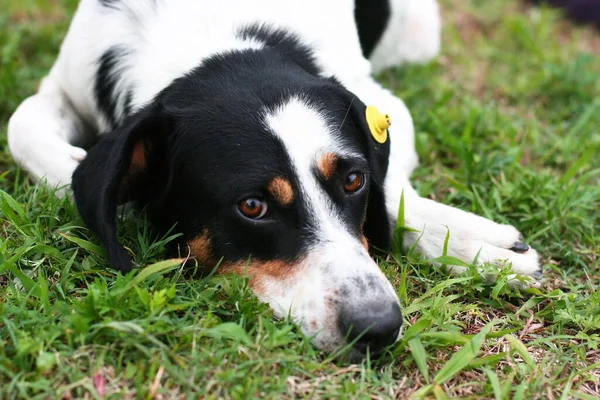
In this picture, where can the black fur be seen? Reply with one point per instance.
(110, 3)
(207, 148)
(372, 17)
(107, 76)
(284, 43)
(127, 103)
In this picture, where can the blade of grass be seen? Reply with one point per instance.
(495, 383)
(420, 355)
(464, 356)
(520, 348)
(158, 268)
(84, 244)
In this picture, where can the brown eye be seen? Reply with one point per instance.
(354, 182)
(253, 208)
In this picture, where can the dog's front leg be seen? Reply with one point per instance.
(472, 239)
(44, 134)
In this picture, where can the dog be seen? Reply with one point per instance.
(256, 128)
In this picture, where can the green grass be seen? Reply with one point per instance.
(508, 127)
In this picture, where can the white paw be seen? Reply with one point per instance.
(474, 240)
(48, 159)
(476, 248)
(523, 260)
(38, 135)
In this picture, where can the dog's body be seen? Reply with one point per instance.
(244, 123)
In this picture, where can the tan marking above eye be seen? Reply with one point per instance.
(354, 182)
(327, 165)
(201, 249)
(281, 190)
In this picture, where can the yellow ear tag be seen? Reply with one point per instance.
(378, 124)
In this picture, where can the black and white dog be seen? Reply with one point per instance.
(253, 126)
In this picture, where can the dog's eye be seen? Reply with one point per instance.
(253, 208)
(354, 182)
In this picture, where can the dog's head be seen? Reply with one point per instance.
(275, 175)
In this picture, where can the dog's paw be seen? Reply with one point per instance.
(478, 241)
(55, 167)
(51, 162)
(501, 246)
(505, 245)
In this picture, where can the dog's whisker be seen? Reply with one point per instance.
(347, 112)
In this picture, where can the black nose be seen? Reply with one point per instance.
(372, 326)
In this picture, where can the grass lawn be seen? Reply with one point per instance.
(508, 127)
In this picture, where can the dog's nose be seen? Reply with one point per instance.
(373, 326)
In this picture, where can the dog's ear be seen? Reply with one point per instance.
(117, 169)
(376, 140)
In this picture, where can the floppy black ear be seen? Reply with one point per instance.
(118, 163)
(377, 225)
